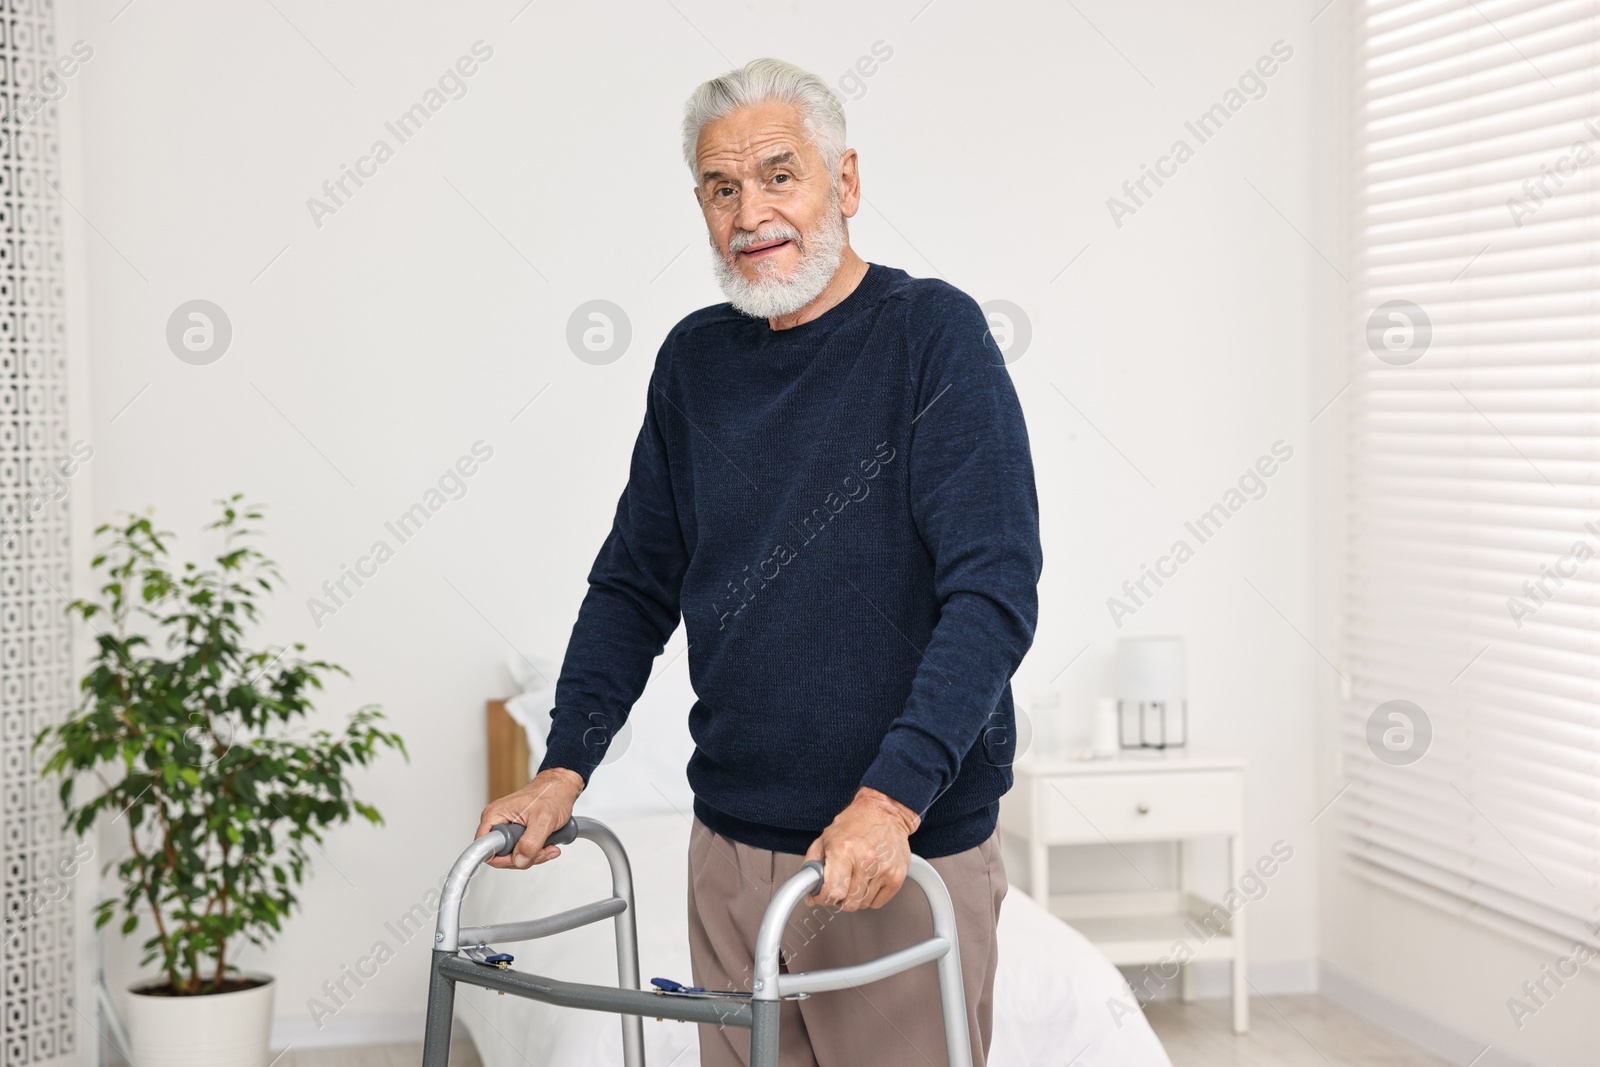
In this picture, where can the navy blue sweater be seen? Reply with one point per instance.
(844, 514)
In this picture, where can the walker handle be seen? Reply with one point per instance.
(815, 865)
(512, 832)
(943, 949)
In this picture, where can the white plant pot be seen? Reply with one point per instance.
(220, 1030)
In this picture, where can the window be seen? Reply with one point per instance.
(1471, 732)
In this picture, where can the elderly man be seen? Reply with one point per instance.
(833, 487)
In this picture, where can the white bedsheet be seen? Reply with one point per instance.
(1050, 1000)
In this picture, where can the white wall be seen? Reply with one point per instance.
(377, 348)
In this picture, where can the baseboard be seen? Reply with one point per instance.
(1282, 978)
(300, 1031)
(292, 1032)
(1214, 980)
(1411, 1023)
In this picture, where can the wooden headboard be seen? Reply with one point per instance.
(508, 752)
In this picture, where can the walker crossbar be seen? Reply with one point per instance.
(759, 1013)
(533, 929)
(598, 997)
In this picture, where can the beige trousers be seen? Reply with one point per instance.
(895, 1021)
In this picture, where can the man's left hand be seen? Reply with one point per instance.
(865, 852)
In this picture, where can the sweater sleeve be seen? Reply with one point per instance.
(630, 610)
(975, 506)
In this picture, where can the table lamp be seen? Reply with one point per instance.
(1152, 709)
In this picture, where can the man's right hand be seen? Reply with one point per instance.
(543, 806)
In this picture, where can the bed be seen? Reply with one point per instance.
(1051, 992)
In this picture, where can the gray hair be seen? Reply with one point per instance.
(760, 81)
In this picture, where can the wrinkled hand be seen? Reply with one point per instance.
(543, 806)
(865, 852)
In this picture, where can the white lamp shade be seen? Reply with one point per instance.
(1150, 670)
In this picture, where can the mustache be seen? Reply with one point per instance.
(740, 241)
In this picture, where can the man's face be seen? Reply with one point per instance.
(764, 189)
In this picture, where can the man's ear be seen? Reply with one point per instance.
(849, 184)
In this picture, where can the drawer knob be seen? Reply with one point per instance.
(1143, 808)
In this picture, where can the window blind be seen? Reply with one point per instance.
(1471, 620)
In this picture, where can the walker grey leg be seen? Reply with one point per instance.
(441, 1009)
(952, 994)
(953, 1001)
(626, 931)
(764, 1033)
(628, 978)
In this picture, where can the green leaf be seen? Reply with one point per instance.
(177, 724)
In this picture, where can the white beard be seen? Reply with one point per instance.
(770, 296)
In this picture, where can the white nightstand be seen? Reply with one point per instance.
(1138, 796)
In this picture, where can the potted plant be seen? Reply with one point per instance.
(187, 731)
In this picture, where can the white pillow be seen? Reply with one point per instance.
(645, 769)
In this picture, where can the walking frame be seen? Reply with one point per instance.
(465, 955)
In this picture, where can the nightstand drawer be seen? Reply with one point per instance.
(1130, 807)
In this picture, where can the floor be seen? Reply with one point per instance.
(462, 1054)
(1303, 1031)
